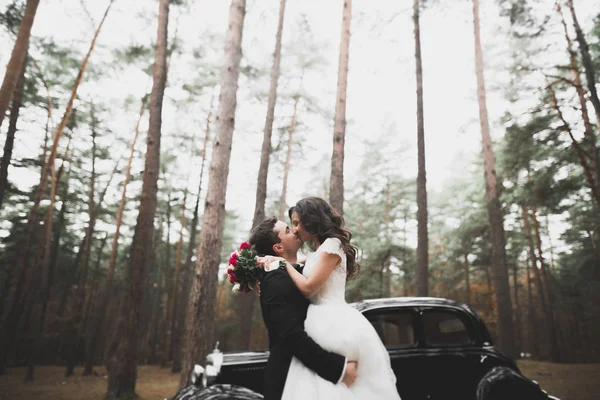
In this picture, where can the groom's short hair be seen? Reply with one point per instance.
(263, 237)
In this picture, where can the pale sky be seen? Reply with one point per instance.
(381, 84)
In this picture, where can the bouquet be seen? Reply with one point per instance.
(243, 270)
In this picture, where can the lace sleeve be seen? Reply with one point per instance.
(334, 246)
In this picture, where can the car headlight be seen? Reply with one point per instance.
(206, 376)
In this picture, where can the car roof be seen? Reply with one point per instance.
(364, 305)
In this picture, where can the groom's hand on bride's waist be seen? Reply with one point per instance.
(350, 374)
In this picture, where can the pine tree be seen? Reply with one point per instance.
(122, 360)
(336, 183)
(201, 310)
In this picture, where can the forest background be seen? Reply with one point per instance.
(65, 277)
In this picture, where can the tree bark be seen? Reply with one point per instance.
(201, 310)
(336, 182)
(17, 58)
(163, 337)
(532, 335)
(490, 286)
(387, 272)
(588, 65)
(518, 328)
(17, 101)
(467, 279)
(92, 347)
(506, 334)
(153, 356)
(549, 336)
(122, 361)
(288, 157)
(422, 234)
(261, 188)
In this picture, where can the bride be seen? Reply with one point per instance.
(330, 321)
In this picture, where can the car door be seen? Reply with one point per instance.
(450, 338)
(396, 329)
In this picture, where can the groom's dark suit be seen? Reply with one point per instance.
(284, 311)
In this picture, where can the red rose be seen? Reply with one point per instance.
(245, 245)
(233, 259)
(232, 277)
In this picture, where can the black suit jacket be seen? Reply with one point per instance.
(284, 311)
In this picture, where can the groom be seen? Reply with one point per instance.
(284, 311)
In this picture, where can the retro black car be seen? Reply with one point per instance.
(439, 349)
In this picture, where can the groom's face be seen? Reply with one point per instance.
(289, 242)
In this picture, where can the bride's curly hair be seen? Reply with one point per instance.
(319, 219)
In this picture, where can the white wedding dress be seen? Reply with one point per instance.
(339, 328)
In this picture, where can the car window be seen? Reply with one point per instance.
(394, 327)
(444, 328)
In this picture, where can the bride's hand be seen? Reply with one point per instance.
(267, 262)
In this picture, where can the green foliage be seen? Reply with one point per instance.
(11, 18)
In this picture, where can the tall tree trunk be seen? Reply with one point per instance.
(33, 292)
(288, 157)
(550, 245)
(336, 182)
(519, 330)
(405, 279)
(488, 279)
(588, 65)
(540, 255)
(261, 188)
(201, 311)
(76, 316)
(185, 295)
(387, 281)
(61, 221)
(17, 58)
(174, 300)
(91, 319)
(247, 308)
(17, 101)
(39, 315)
(122, 361)
(154, 339)
(467, 279)
(506, 334)
(422, 234)
(92, 347)
(532, 335)
(14, 303)
(167, 284)
(549, 336)
(549, 285)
